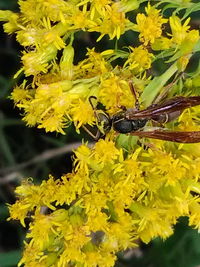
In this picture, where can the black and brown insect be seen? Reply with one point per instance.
(132, 121)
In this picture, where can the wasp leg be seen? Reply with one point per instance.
(157, 124)
(94, 136)
(118, 101)
(94, 108)
(148, 145)
(133, 91)
(122, 107)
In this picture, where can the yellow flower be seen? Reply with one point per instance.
(100, 257)
(12, 21)
(162, 43)
(179, 31)
(106, 152)
(182, 36)
(150, 26)
(18, 211)
(139, 59)
(52, 9)
(21, 95)
(82, 113)
(152, 222)
(32, 256)
(37, 62)
(115, 92)
(189, 119)
(113, 22)
(40, 231)
(123, 239)
(81, 20)
(94, 65)
(48, 107)
(99, 6)
(53, 123)
(194, 219)
(83, 155)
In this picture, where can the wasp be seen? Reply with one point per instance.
(132, 121)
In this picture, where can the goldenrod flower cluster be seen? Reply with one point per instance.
(118, 191)
(59, 88)
(111, 199)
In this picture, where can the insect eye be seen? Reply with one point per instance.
(103, 122)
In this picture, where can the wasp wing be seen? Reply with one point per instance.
(169, 106)
(173, 136)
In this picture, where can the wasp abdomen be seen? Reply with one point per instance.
(138, 124)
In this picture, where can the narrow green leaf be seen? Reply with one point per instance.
(195, 7)
(154, 87)
(197, 47)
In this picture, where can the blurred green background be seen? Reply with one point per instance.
(29, 152)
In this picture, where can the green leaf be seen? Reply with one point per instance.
(195, 7)
(155, 86)
(11, 4)
(3, 212)
(166, 53)
(10, 258)
(127, 142)
(197, 47)
(170, 6)
(180, 5)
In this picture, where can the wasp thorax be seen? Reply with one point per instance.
(123, 125)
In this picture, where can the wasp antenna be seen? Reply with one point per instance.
(133, 91)
(90, 100)
(95, 136)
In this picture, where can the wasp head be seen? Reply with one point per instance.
(104, 122)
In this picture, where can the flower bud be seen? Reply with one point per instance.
(66, 63)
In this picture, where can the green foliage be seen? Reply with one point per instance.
(11, 4)
(10, 258)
